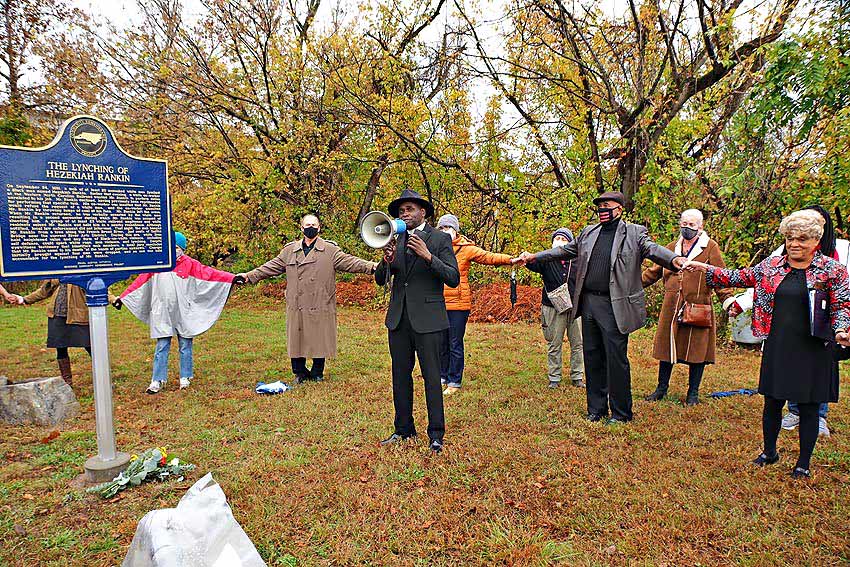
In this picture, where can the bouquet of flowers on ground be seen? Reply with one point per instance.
(152, 464)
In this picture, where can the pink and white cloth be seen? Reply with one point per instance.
(186, 301)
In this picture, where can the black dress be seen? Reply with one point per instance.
(795, 366)
(60, 333)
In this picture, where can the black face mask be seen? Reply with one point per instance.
(688, 233)
(606, 214)
(311, 232)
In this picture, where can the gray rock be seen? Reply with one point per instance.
(40, 401)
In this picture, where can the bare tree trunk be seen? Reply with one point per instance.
(372, 188)
(15, 101)
(630, 168)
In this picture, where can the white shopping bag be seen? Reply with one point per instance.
(200, 532)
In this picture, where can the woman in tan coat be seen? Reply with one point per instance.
(679, 342)
(67, 320)
(459, 301)
(310, 265)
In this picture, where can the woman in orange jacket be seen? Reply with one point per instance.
(459, 301)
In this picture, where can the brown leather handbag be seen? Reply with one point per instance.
(695, 314)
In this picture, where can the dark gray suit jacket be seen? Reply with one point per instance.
(631, 246)
(419, 286)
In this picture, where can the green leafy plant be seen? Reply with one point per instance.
(150, 465)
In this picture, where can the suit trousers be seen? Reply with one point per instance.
(606, 361)
(299, 367)
(405, 344)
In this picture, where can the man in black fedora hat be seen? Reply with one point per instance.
(420, 262)
(608, 296)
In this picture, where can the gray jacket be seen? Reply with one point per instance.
(631, 246)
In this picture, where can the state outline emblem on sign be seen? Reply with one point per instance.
(88, 137)
(81, 207)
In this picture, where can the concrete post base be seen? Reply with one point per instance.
(98, 470)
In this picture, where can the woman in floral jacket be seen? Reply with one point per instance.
(796, 366)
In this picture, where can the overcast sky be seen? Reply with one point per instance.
(126, 14)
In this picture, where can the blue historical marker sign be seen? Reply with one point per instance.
(81, 206)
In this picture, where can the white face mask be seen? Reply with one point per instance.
(558, 242)
(450, 231)
(179, 251)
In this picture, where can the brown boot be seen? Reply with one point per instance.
(65, 370)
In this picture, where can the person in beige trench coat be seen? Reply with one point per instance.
(675, 342)
(310, 265)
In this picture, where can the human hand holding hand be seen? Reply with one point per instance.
(680, 262)
(117, 304)
(842, 338)
(16, 299)
(239, 279)
(694, 266)
(523, 258)
(415, 243)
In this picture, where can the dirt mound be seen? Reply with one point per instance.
(490, 303)
(362, 292)
(275, 290)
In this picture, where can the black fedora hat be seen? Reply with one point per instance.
(411, 196)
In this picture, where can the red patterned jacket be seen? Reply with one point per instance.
(765, 277)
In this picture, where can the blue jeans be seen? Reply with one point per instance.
(822, 411)
(451, 352)
(160, 358)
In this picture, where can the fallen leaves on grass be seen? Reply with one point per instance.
(50, 437)
(524, 480)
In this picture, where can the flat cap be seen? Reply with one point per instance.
(611, 196)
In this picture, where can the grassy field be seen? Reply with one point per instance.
(523, 480)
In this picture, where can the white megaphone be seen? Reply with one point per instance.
(377, 229)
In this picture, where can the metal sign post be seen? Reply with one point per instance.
(83, 210)
(108, 462)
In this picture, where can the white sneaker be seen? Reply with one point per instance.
(822, 428)
(450, 390)
(154, 387)
(184, 383)
(790, 421)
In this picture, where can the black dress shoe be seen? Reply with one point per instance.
(692, 400)
(616, 421)
(397, 438)
(594, 417)
(436, 445)
(658, 394)
(763, 460)
(317, 378)
(301, 378)
(800, 472)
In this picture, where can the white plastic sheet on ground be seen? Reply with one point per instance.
(200, 531)
(742, 325)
